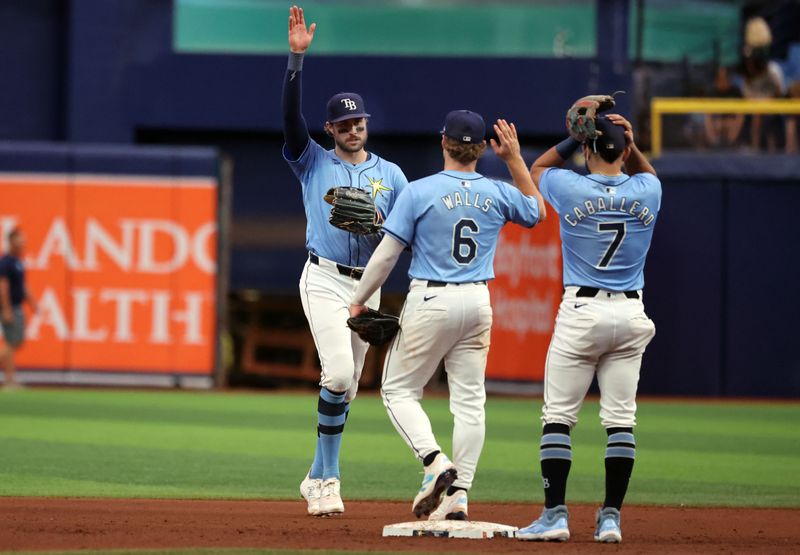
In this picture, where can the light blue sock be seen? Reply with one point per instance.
(316, 466)
(331, 414)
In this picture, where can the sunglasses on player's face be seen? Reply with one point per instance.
(350, 126)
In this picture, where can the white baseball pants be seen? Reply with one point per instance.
(606, 334)
(451, 323)
(325, 295)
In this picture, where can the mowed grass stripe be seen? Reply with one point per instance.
(222, 445)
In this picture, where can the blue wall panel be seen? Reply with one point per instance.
(682, 294)
(32, 68)
(763, 311)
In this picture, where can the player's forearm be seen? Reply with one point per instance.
(556, 156)
(380, 265)
(524, 182)
(295, 130)
(637, 163)
(522, 179)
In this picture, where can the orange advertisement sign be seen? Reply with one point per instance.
(123, 268)
(525, 293)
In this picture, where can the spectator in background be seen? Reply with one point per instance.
(723, 130)
(12, 294)
(763, 78)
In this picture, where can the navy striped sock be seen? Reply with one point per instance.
(331, 416)
(555, 451)
(316, 466)
(620, 454)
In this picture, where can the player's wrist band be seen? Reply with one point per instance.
(296, 61)
(567, 147)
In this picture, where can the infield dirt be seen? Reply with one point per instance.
(34, 524)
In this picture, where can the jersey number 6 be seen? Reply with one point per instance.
(619, 229)
(464, 246)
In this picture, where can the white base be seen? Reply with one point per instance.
(474, 530)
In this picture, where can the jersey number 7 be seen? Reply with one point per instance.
(619, 229)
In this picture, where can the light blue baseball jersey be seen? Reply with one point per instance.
(451, 221)
(606, 225)
(319, 170)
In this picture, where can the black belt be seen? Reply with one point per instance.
(593, 291)
(354, 273)
(445, 284)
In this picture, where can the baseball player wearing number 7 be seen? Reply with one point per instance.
(336, 257)
(607, 220)
(451, 221)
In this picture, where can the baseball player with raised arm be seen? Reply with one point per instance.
(607, 220)
(336, 257)
(451, 221)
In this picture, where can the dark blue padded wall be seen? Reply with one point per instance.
(763, 311)
(683, 291)
(720, 276)
(33, 37)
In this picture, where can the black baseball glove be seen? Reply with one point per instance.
(581, 116)
(374, 327)
(353, 210)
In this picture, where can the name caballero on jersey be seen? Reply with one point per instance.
(465, 198)
(610, 204)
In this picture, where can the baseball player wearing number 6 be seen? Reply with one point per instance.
(336, 257)
(607, 220)
(451, 221)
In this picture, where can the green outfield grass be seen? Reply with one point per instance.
(228, 445)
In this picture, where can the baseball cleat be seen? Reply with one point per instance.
(453, 507)
(608, 529)
(553, 525)
(311, 490)
(330, 502)
(439, 476)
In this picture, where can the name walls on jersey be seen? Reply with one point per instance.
(467, 198)
(154, 247)
(610, 204)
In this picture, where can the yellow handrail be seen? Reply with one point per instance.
(659, 106)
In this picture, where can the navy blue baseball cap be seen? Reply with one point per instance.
(613, 137)
(346, 105)
(464, 126)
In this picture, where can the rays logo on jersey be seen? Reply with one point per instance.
(377, 186)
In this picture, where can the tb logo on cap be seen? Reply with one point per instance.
(349, 104)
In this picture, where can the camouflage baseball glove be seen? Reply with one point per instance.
(374, 327)
(353, 210)
(581, 116)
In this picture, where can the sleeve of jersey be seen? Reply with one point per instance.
(652, 186)
(520, 209)
(304, 164)
(550, 183)
(400, 222)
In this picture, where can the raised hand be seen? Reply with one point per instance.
(617, 119)
(508, 147)
(299, 37)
